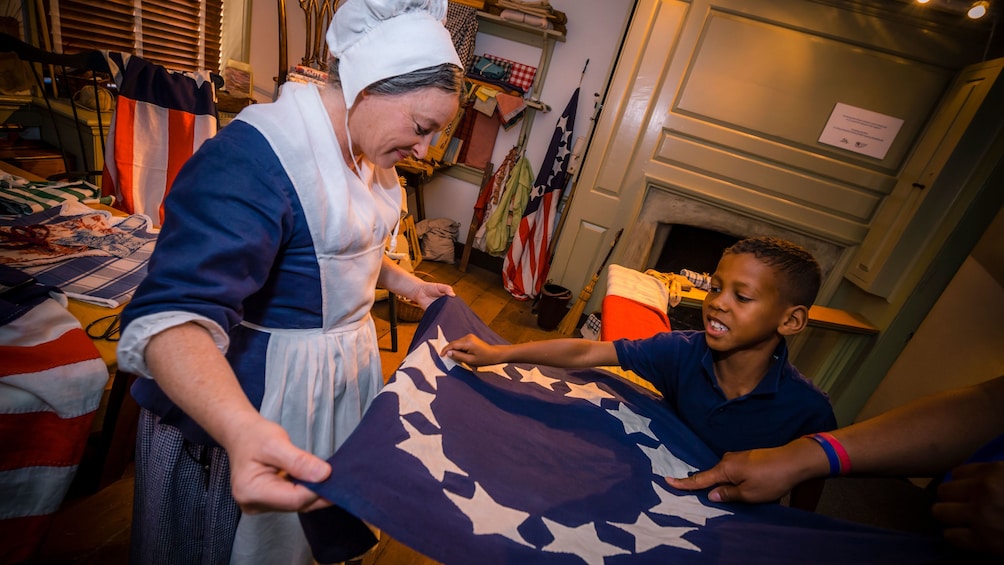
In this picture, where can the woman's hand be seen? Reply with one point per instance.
(427, 292)
(262, 460)
(472, 350)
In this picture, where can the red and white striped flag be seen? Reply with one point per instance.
(161, 118)
(51, 381)
(529, 257)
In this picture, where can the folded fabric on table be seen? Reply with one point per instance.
(20, 196)
(106, 258)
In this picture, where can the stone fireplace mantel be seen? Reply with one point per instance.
(663, 207)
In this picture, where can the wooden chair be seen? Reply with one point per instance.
(318, 15)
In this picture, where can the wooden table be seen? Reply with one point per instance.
(85, 312)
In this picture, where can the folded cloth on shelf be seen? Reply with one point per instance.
(520, 75)
(490, 69)
(510, 109)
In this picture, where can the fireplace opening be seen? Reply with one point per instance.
(688, 247)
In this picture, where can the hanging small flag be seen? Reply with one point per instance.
(528, 260)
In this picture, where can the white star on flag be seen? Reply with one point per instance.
(688, 507)
(490, 517)
(422, 359)
(429, 450)
(665, 464)
(647, 534)
(536, 377)
(495, 370)
(632, 422)
(581, 541)
(589, 391)
(438, 344)
(411, 398)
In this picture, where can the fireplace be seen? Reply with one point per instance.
(682, 246)
(665, 213)
(674, 232)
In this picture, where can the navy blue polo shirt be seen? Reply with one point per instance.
(783, 406)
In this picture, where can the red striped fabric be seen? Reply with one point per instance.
(51, 382)
(14, 532)
(161, 119)
(143, 173)
(53, 441)
(72, 347)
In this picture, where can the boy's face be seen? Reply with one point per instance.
(744, 306)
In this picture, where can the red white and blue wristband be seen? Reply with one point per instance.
(840, 462)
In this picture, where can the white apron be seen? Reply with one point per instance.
(318, 382)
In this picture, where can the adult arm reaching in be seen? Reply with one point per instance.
(926, 437)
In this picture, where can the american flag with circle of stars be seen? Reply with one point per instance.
(523, 464)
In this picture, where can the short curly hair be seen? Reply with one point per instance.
(798, 270)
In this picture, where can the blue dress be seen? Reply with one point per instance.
(274, 245)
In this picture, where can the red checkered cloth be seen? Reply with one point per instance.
(521, 75)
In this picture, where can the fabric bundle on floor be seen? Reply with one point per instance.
(437, 237)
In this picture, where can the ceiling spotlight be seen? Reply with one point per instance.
(978, 10)
(923, 1)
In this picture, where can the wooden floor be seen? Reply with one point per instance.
(95, 529)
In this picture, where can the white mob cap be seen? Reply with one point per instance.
(378, 39)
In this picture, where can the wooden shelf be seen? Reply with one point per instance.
(540, 38)
(516, 31)
(464, 172)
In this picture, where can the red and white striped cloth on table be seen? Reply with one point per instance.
(161, 118)
(51, 382)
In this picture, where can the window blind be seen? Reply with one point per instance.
(178, 34)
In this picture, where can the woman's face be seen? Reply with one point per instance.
(389, 127)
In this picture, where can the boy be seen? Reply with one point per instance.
(732, 383)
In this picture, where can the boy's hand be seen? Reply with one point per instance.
(472, 350)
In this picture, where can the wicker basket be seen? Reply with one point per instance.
(408, 310)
